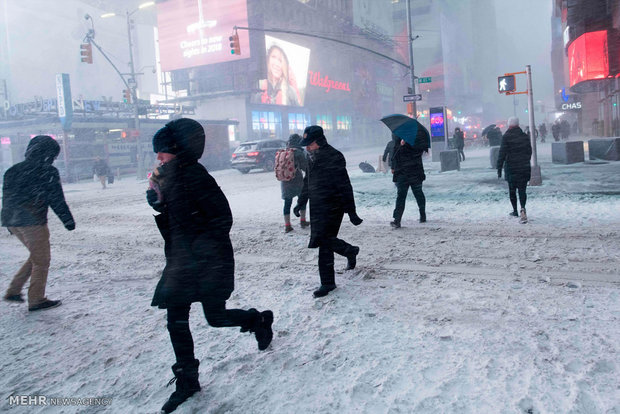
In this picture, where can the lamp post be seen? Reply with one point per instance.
(133, 86)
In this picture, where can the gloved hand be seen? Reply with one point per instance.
(70, 225)
(153, 199)
(499, 173)
(355, 219)
(296, 210)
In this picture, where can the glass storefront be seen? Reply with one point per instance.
(297, 123)
(324, 121)
(343, 123)
(266, 125)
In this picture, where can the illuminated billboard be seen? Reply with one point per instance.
(437, 123)
(588, 57)
(195, 32)
(287, 73)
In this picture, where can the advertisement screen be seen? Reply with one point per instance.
(287, 73)
(588, 57)
(437, 121)
(195, 32)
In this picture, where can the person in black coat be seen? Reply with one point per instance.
(101, 170)
(30, 188)
(494, 136)
(514, 156)
(388, 153)
(329, 190)
(459, 142)
(408, 172)
(195, 221)
(291, 189)
(555, 131)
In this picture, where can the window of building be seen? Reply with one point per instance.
(266, 125)
(343, 123)
(324, 121)
(298, 122)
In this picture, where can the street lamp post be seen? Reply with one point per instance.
(410, 37)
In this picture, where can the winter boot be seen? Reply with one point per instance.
(288, 228)
(395, 224)
(523, 217)
(261, 328)
(422, 216)
(352, 258)
(514, 214)
(304, 224)
(14, 298)
(323, 290)
(47, 304)
(186, 378)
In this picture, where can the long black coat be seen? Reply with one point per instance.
(459, 140)
(32, 186)
(195, 223)
(515, 151)
(293, 188)
(329, 190)
(407, 165)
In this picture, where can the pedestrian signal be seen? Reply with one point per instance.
(506, 83)
(86, 51)
(235, 49)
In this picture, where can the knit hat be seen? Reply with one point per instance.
(184, 137)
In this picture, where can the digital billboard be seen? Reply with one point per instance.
(588, 57)
(437, 123)
(195, 32)
(287, 73)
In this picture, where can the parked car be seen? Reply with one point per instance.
(256, 154)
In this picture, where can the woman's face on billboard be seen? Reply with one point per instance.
(277, 64)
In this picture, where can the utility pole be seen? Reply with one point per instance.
(536, 178)
(410, 37)
(140, 173)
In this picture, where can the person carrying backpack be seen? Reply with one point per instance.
(290, 163)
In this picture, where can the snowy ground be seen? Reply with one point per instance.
(471, 312)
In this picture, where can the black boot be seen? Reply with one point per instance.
(186, 378)
(323, 290)
(395, 224)
(261, 328)
(352, 258)
(422, 216)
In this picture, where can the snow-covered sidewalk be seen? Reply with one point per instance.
(470, 312)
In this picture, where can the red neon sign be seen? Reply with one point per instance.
(327, 83)
(588, 57)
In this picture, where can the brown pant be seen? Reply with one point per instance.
(37, 241)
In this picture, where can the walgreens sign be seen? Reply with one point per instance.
(316, 79)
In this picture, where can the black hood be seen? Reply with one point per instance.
(183, 137)
(42, 149)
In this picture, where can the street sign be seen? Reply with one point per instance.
(424, 80)
(411, 98)
(506, 83)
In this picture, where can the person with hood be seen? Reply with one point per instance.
(494, 136)
(459, 142)
(408, 172)
(564, 129)
(329, 190)
(101, 170)
(514, 156)
(555, 131)
(30, 188)
(195, 221)
(291, 189)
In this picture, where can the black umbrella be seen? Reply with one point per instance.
(487, 129)
(409, 130)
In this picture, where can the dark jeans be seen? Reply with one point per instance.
(401, 198)
(217, 316)
(327, 248)
(288, 202)
(461, 154)
(512, 190)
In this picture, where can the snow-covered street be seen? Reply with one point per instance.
(470, 312)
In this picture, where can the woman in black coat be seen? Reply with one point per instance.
(408, 171)
(195, 222)
(291, 189)
(514, 155)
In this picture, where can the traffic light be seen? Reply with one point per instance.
(235, 49)
(86, 51)
(506, 83)
(126, 95)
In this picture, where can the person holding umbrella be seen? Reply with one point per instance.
(407, 166)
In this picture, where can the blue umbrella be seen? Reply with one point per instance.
(409, 130)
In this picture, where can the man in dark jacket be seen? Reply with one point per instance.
(494, 136)
(408, 171)
(388, 153)
(101, 170)
(459, 142)
(555, 130)
(30, 187)
(329, 190)
(195, 222)
(514, 155)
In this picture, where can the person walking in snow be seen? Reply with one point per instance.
(555, 130)
(459, 142)
(195, 221)
(30, 187)
(543, 132)
(514, 156)
(329, 190)
(101, 170)
(408, 172)
(388, 153)
(292, 188)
